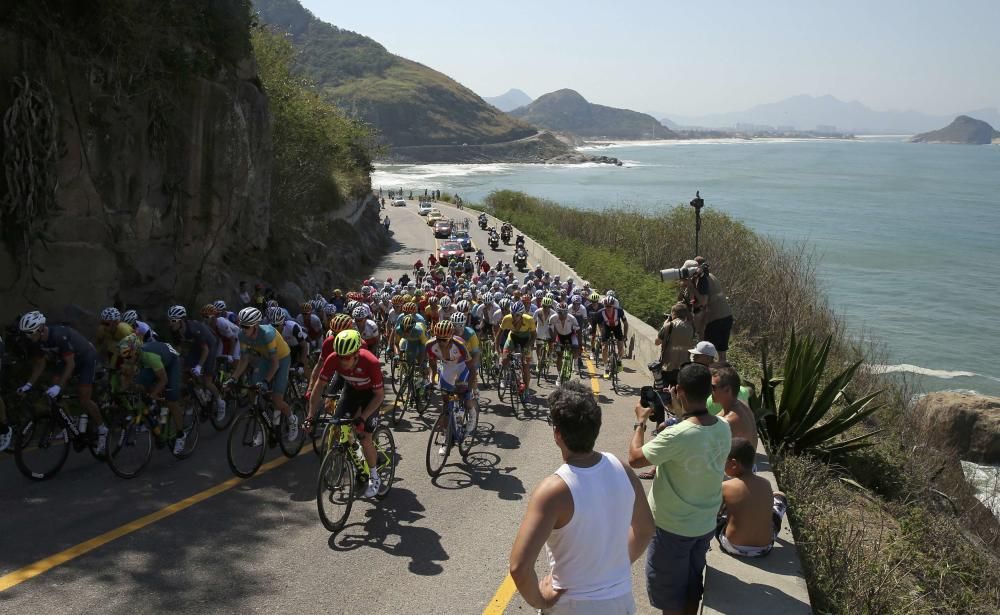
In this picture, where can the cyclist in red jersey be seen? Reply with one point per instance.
(362, 397)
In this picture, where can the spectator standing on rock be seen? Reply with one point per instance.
(713, 317)
(591, 515)
(690, 458)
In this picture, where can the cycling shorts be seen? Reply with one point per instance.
(615, 331)
(279, 384)
(85, 367)
(516, 343)
(147, 378)
(353, 402)
(569, 338)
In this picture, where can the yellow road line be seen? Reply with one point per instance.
(595, 384)
(500, 599)
(44, 565)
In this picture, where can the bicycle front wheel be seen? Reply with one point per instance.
(469, 430)
(614, 366)
(385, 454)
(438, 445)
(291, 446)
(335, 489)
(247, 445)
(223, 421)
(42, 448)
(130, 447)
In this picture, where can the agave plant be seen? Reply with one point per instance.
(804, 420)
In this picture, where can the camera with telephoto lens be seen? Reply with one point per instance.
(680, 273)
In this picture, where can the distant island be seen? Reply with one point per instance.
(509, 100)
(964, 130)
(566, 111)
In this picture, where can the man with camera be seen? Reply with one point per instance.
(713, 318)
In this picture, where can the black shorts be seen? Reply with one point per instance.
(353, 402)
(718, 332)
(615, 331)
(567, 340)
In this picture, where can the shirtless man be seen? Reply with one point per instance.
(725, 389)
(751, 512)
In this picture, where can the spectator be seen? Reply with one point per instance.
(244, 294)
(591, 515)
(687, 493)
(712, 315)
(751, 513)
(674, 339)
(725, 392)
(703, 353)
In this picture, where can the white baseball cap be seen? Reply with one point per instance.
(705, 348)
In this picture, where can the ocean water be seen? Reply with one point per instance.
(909, 234)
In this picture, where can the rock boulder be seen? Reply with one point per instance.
(968, 423)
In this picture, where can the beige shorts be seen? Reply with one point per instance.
(622, 605)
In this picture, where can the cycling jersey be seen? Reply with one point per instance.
(452, 364)
(366, 375)
(470, 338)
(267, 343)
(579, 312)
(613, 317)
(65, 342)
(293, 334)
(542, 323)
(523, 330)
(311, 324)
(160, 357)
(228, 335)
(565, 326)
(107, 338)
(369, 330)
(417, 333)
(199, 334)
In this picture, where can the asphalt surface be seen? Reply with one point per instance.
(257, 545)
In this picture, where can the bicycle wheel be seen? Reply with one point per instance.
(438, 445)
(421, 399)
(247, 445)
(318, 435)
(542, 370)
(335, 489)
(130, 447)
(399, 404)
(42, 448)
(469, 427)
(513, 382)
(385, 454)
(190, 430)
(291, 446)
(396, 374)
(613, 366)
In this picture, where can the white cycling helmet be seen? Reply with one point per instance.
(463, 306)
(445, 302)
(219, 305)
(274, 314)
(177, 312)
(130, 317)
(359, 312)
(31, 322)
(459, 318)
(111, 314)
(250, 316)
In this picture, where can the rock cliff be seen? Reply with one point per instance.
(964, 130)
(969, 424)
(149, 194)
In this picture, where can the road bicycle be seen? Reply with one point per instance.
(139, 427)
(509, 385)
(258, 429)
(544, 360)
(488, 370)
(566, 358)
(344, 467)
(455, 425)
(614, 362)
(45, 435)
(412, 391)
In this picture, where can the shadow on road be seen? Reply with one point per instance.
(482, 469)
(388, 527)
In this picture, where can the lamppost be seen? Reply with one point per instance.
(697, 202)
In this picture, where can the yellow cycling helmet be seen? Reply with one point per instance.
(444, 329)
(347, 343)
(128, 347)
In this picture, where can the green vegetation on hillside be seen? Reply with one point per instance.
(321, 157)
(892, 528)
(409, 104)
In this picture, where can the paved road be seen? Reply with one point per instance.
(257, 545)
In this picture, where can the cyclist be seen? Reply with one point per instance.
(468, 336)
(520, 330)
(225, 331)
(453, 363)
(362, 397)
(566, 329)
(542, 315)
(413, 339)
(76, 356)
(222, 310)
(142, 329)
(293, 334)
(594, 316)
(271, 366)
(310, 323)
(156, 366)
(339, 322)
(202, 350)
(613, 324)
(367, 327)
(109, 333)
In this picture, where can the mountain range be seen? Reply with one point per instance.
(509, 100)
(567, 111)
(409, 103)
(806, 112)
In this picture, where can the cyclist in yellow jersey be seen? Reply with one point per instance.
(111, 331)
(521, 336)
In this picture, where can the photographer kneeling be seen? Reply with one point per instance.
(713, 318)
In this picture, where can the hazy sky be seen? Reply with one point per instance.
(693, 58)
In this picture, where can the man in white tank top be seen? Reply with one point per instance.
(592, 516)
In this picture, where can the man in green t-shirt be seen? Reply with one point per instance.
(690, 459)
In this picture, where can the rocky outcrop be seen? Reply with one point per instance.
(569, 112)
(151, 192)
(966, 423)
(964, 130)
